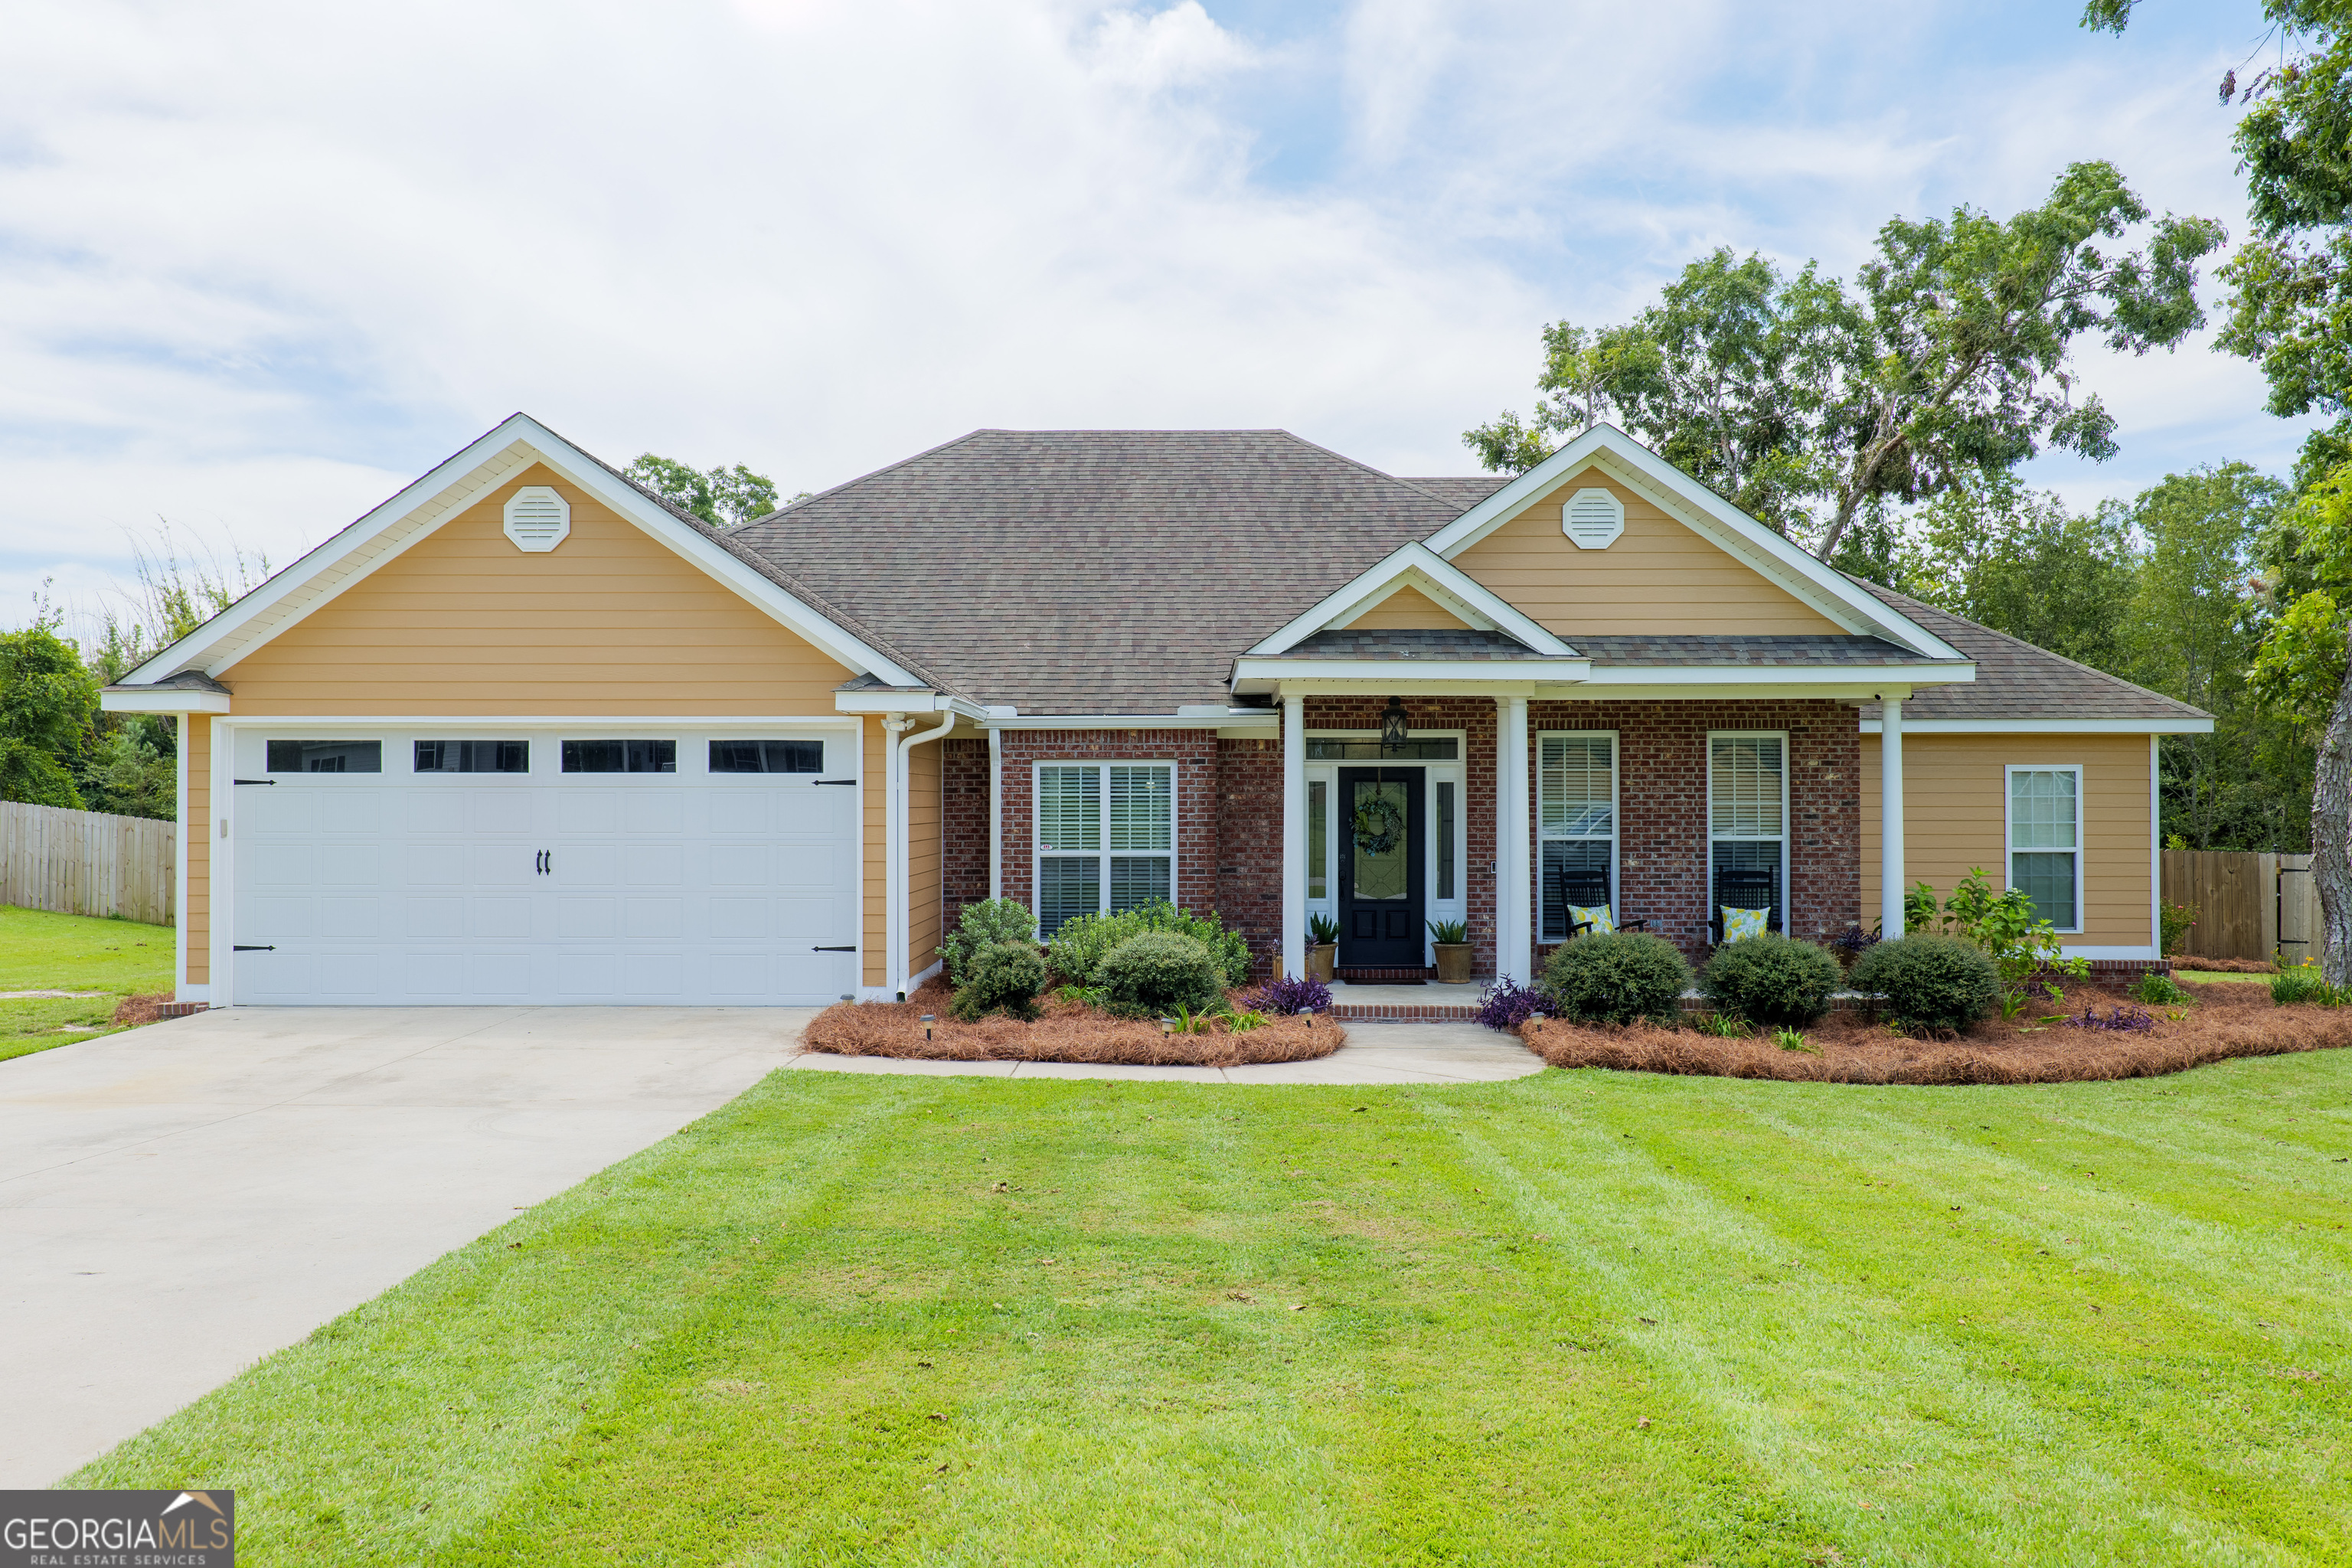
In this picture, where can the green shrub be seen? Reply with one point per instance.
(1079, 948)
(1930, 982)
(1771, 980)
(1002, 977)
(2303, 982)
(993, 920)
(1617, 978)
(1153, 974)
(2158, 991)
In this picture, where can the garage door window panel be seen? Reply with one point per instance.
(620, 756)
(767, 756)
(473, 757)
(324, 757)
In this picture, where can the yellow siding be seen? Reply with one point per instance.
(1409, 610)
(1658, 577)
(609, 622)
(877, 938)
(923, 863)
(196, 833)
(1955, 816)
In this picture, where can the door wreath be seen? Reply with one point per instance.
(1379, 826)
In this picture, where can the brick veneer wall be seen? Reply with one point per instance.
(963, 829)
(1249, 845)
(1662, 844)
(1195, 752)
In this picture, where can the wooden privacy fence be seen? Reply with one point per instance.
(2248, 905)
(88, 862)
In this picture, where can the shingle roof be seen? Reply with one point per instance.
(1093, 571)
(2018, 680)
(1462, 643)
(1807, 650)
(1463, 494)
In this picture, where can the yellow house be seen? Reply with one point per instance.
(525, 733)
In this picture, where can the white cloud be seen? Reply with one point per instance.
(264, 262)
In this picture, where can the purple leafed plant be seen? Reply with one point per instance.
(1292, 993)
(1506, 1004)
(2133, 1019)
(1853, 942)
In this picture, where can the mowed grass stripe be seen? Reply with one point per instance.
(1469, 1378)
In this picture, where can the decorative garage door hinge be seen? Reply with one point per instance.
(852, 948)
(240, 947)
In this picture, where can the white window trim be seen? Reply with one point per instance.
(1434, 772)
(1038, 852)
(1616, 820)
(2008, 832)
(1788, 869)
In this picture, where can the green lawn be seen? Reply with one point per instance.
(42, 952)
(2207, 974)
(1581, 1318)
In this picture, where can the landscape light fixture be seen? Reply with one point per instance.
(1394, 726)
(1167, 1025)
(928, 1019)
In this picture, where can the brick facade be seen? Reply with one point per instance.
(1662, 843)
(1229, 808)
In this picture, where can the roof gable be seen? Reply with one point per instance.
(464, 479)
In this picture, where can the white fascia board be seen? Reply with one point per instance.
(1902, 678)
(1357, 684)
(1416, 563)
(2047, 726)
(922, 699)
(1708, 514)
(1250, 719)
(588, 723)
(162, 700)
(218, 643)
(1419, 672)
(1849, 692)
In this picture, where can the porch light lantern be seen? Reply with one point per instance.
(1394, 726)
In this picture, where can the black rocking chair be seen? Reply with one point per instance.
(1746, 890)
(1587, 888)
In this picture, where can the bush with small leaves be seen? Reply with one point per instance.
(1772, 980)
(1930, 982)
(1617, 978)
(1152, 975)
(1083, 941)
(2158, 991)
(1002, 977)
(991, 921)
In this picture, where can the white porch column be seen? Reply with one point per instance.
(1890, 818)
(1294, 835)
(1514, 919)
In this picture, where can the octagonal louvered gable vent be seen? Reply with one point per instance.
(1593, 518)
(538, 519)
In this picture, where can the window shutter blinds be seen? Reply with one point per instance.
(1747, 786)
(1139, 807)
(1069, 809)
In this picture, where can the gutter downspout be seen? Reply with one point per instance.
(995, 812)
(900, 961)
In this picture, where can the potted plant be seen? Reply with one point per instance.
(1322, 946)
(1452, 940)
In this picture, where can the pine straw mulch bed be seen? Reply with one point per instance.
(137, 1010)
(2222, 965)
(2227, 1020)
(1066, 1032)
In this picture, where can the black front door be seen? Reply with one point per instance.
(1382, 880)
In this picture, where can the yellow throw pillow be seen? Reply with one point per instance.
(1603, 924)
(1738, 923)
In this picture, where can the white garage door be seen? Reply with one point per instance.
(398, 866)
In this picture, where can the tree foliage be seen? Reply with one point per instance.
(48, 701)
(721, 497)
(1812, 403)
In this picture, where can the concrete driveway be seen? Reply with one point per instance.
(178, 1201)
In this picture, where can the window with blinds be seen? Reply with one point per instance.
(1748, 828)
(1576, 825)
(1105, 838)
(2044, 841)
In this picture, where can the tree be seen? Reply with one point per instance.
(48, 701)
(2291, 312)
(1811, 404)
(2025, 564)
(721, 498)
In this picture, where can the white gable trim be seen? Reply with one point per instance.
(1417, 566)
(421, 508)
(1705, 513)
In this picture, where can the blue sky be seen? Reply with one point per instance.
(259, 266)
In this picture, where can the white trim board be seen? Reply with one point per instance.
(418, 509)
(162, 700)
(1621, 458)
(2046, 726)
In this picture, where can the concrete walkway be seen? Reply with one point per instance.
(177, 1201)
